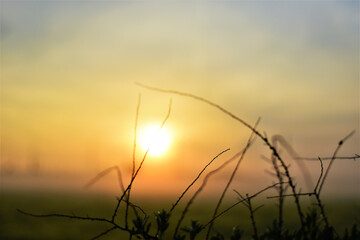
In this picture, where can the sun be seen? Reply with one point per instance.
(155, 139)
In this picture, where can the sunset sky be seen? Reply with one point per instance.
(69, 68)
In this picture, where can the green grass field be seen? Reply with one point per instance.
(13, 225)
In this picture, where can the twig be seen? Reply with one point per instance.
(128, 187)
(252, 217)
(103, 233)
(198, 176)
(356, 156)
(247, 203)
(280, 189)
(201, 188)
(333, 158)
(317, 194)
(105, 172)
(238, 202)
(292, 195)
(71, 217)
(303, 168)
(137, 171)
(322, 208)
(135, 133)
(321, 174)
(133, 158)
(232, 177)
(263, 138)
(87, 218)
(167, 115)
(134, 207)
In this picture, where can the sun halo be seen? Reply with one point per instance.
(155, 139)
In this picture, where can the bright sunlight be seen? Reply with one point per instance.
(155, 139)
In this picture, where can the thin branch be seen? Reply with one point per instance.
(193, 182)
(168, 114)
(116, 226)
(134, 207)
(133, 158)
(241, 197)
(238, 202)
(321, 174)
(322, 209)
(333, 159)
(258, 207)
(135, 134)
(129, 186)
(252, 217)
(292, 195)
(263, 137)
(103, 233)
(137, 171)
(138, 207)
(105, 172)
(356, 156)
(71, 217)
(247, 203)
(280, 189)
(200, 99)
(232, 177)
(303, 168)
(192, 199)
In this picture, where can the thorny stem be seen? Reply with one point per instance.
(279, 174)
(321, 181)
(281, 191)
(252, 217)
(248, 205)
(291, 184)
(322, 209)
(304, 170)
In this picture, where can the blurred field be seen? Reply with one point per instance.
(13, 225)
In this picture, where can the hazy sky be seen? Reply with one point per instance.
(69, 68)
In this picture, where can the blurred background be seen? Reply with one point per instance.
(69, 98)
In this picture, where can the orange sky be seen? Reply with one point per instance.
(68, 97)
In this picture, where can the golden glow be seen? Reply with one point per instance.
(155, 139)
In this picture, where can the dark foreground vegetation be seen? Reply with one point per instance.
(138, 224)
